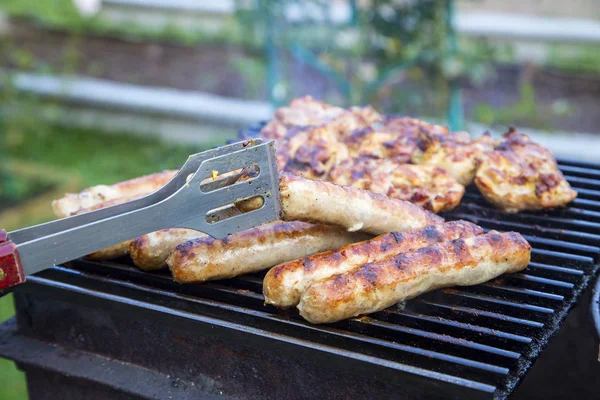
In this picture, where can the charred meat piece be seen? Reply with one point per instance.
(284, 284)
(253, 250)
(429, 186)
(311, 152)
(378, 285)
(520, 174)
(304, 111)
(307, 112)
(395, 138)
(354, 209)
(455, 152)
(150, 252)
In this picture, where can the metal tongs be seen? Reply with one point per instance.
(201, 196)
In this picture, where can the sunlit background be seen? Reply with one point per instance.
(97, 91)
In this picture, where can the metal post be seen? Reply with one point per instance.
(273, 84)
(455, 104)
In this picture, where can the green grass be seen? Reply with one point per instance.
(98, 159)
(12, 381)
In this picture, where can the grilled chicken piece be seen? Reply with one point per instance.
(311, 153)
(522, 175)
(394, 123)
(355, 119)
(301, 112)
(138, 187)
(306, 112)
(354, 209)
(429, 186)
(455, 152)
(375, 286)
(395, 139)
(284, 284)
(253, 250)
(150, 252)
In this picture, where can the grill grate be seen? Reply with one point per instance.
(483, 338)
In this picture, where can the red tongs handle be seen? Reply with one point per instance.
(11, 270)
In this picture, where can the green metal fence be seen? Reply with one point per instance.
(278, 44)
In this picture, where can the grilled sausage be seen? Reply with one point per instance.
(354, 209)
(150, 252)
(109, 253)
(72, 203)
(284, 284)
(253, 250)
(375, 286)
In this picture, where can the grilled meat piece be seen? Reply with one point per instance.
(253, 250)
(301, 112)
(455, 152)
(354, 209)
(138, 187)
(378, 143)
(520, 174)
(402, 124)
(307, 112)
(355, 119)
(311, 152)
(284, 284)
(396, 138)
(429, 186)
(375, 286)
(150, 252)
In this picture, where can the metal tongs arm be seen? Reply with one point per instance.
(186, 201)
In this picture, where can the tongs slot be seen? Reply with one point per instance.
(219, 179)
(230, 210)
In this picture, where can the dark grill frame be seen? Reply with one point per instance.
(471, 341)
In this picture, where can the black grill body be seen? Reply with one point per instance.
(109, 330)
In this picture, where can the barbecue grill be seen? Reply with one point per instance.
(105, 329)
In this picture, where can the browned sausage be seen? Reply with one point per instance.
(375, 286)
(284, 284)
(354, 209)
(253, 250)
(150, 252)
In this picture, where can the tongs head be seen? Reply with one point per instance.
(243, 173)
(206, 193)
(218, 192)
